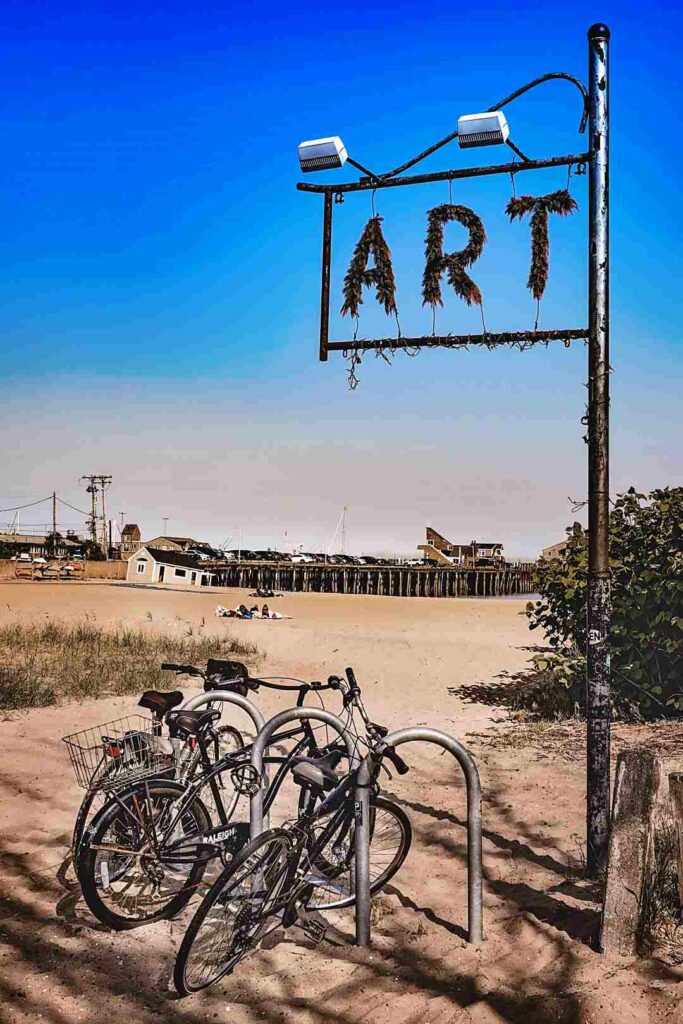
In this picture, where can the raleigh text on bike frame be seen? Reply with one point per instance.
(596, 106)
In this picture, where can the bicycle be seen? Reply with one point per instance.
(154, 837)
(113, 755)
(276, 875)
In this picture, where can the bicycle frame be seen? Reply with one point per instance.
(187, 849)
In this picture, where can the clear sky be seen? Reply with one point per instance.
(160, 285)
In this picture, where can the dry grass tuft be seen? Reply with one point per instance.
(53, 661)
(662, 917)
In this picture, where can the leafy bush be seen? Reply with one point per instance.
(646, 634)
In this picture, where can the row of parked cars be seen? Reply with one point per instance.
(299, 558)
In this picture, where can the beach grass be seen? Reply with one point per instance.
(54, 661)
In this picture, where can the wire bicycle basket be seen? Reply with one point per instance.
(124, 750)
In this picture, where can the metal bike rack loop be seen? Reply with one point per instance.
(226, 697)
(261, 743)
(474, 860)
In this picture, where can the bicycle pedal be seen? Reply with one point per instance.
(314, 930)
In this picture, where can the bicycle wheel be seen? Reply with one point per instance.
(229, 920)
(126, 877)
(332, 870)
(93, 801)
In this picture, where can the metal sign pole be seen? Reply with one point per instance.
(598, 600)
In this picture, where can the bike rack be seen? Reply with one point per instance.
(261, 742)
(226, 697)
(474, 862)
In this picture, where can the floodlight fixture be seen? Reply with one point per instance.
(322, 154)
(489, 129)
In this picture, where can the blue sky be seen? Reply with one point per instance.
(160, 281)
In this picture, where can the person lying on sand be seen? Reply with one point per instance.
(242, 612)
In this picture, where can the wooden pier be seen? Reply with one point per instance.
(382, 580)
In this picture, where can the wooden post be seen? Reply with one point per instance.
(636, 788)
(676, 794)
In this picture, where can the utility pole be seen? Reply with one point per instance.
(598, 603)
(165, 519)
(98, 484)
(104, 482)
(92, 521)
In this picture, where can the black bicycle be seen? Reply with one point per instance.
(275, 877)
(145, 852)
(115, 754)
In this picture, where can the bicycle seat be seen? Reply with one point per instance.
(317, 771)
(191, 723)
(158, 702)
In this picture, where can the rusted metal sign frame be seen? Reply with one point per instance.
(596, 109)
(370, 184)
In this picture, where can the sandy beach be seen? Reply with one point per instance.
(538, 964)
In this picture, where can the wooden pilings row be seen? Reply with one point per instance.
(386, 581)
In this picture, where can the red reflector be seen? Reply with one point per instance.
(112, 750)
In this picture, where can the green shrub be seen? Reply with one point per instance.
(646, 633)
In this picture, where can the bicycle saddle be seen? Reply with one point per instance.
(158, 702)
(191, 723)
(317, 771)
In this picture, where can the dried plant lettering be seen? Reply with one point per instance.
(436, 261)
(359, 275)
(540, 207)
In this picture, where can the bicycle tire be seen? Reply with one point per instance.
(281, 841)
(87, 867)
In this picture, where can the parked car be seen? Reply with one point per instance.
(201, 556)
(262, 556)
(369, 560)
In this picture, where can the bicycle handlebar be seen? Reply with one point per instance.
(188, 670)
(397, 761)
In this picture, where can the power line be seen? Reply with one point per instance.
(16, 508)
(72, 507)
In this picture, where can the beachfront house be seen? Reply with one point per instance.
(131, 540)
(171, 568)
(439, 549)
